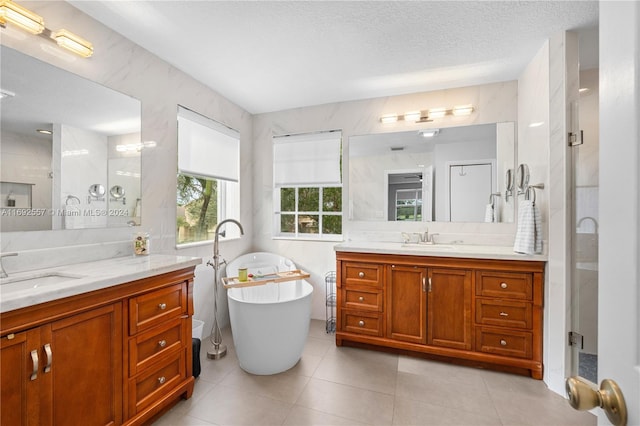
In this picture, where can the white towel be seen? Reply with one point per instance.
(489, 213)
(529, 232)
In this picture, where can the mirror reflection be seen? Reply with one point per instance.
(62, 134)
(455, 174)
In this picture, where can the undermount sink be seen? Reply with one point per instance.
(36, 281)
(427, 247)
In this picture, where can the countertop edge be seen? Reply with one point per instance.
(96, 275)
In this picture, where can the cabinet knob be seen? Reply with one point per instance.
(503, 285)
(162, 306)
(361, 274)
(503, 342)
(361, 323)
(361, 298)
(504, 314)
(162, 343)
(161, 380)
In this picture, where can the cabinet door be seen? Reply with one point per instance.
(449, 308)
(87, 368)
(21, 376)
(406, 295)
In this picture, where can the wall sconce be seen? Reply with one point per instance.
(29, 21)
(427, 115)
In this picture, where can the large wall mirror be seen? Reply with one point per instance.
(454, 174)
(70, 152)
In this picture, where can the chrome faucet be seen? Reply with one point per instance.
(219, 350)
(3, 273)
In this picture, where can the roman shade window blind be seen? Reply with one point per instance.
(207, 149)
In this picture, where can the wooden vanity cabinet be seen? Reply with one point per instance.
(482, 311)
(75, 361)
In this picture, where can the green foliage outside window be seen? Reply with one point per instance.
(197, 208)
(313, 216)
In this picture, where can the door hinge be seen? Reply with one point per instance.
(574, 139)
(576, 339)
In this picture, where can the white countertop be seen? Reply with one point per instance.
(440, 250)
(24, 289)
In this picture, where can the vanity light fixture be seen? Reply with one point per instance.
(424, 116)
(462, 110)
(389, 118)
(437, 112)
(68, 40)
(412, 116)
(135, 146)
(29, 21)
(23, 18)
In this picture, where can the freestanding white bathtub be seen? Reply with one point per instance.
(270, 322)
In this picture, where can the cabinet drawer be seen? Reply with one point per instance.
(146, 348)
(506, 285)
(362, 323)
(362, 274)
(151, 309)
(147, 387)
(504, 313)
(362, 300)
(502, 342)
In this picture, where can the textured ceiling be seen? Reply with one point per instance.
(269, 56)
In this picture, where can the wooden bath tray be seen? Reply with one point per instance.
(278, 277)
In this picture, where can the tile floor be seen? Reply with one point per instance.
(347, 386)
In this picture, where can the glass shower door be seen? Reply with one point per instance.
(585, 233)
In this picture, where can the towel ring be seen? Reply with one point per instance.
(527, 193)
(492, 199)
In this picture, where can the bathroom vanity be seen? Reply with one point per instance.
(470, 304)
(108, 345)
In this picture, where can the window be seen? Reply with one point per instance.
(409, 205)
(208, 175)
(308, 186)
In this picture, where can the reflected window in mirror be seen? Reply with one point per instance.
(382, 164)
(60, 134)
(208, 177)
(308, 186)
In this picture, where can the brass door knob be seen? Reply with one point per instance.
(584, 396)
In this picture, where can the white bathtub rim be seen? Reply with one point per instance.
(307, 292)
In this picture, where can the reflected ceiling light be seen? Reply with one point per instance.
(6, 94)
(70, 41)
(389, 118)
(29, 21)
(536, 124)
(75, 152)
(429, 133)
(135, 146)
(437, 112)
(583, 89)
(44, 131)
(462, 110)
(18, 15)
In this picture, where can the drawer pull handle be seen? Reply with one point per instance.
(504, 285)
(503, 342)
(361, 274)
(162, 306)
(361, 323)
(34, 360)
(162, 343)
(504, 314)
(361, 299)
(47, 350)
(161, 380)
